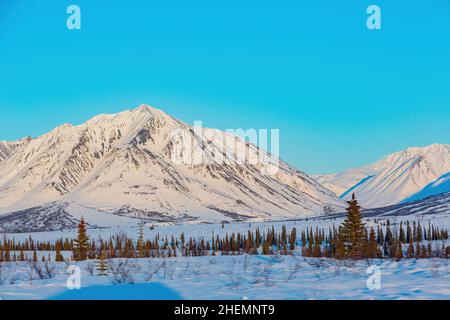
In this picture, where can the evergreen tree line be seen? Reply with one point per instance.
(375, 243)
(353, 240)
(340, 243)
(121, 246)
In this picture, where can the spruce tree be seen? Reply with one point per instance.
(399, 250)
(140, 243)
(7, 254)
(21, 256)
(102, 266)
(35, 257)
(419, 232)
(353, 229)
(373, 246)
(409, 237)
(292, 239)
(58, 256)
(340, 246)
(402, 234)
(266, 248)
(410, 252)
(81, 245)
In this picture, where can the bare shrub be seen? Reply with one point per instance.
(234, 278)
(246, 263)
(49, 270)
(30, 271)
(3, 275)
(295, 270)
(90, 267)
(166, 270)
(45, 271)
(14, 279)
(262, 274)
(187, 268)
(153, 270)
(120, 271)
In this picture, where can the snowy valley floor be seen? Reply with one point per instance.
(239, 277)
(229, 277)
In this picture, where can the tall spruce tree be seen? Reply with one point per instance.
(81, 245)
(402, 236)
(141, 242)
(353, 230)
(373, 246)
(340, 245)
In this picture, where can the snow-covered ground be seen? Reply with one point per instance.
(244, 277)
(231, 277)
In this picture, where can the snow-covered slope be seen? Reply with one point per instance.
(395, 178)
(9, 148)
(341, 182)
(439, 186)
(143, 163)
(438, 205)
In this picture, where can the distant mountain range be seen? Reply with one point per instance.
(404, 176)
(123, 164)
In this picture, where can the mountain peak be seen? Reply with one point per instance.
(428, 152)
(150, 110)
(146, 108)
(435, 147)
(394, 178)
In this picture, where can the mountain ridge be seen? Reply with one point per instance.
(145, 163)
(394, 178)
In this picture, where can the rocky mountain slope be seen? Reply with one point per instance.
(143, 163)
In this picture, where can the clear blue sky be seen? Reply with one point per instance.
(341, 95)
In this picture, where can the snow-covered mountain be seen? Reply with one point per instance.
(143, 163)
(436, 187)
(408, 175)
(438, 205)
(8, 148)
